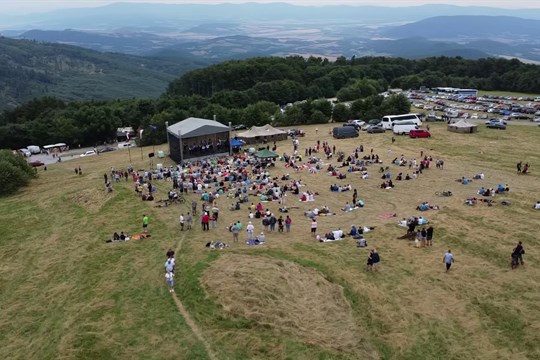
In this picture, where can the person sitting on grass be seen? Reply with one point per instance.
(537, 205)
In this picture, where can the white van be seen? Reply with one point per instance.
(34, 149)
(389, 120)
(404, 128)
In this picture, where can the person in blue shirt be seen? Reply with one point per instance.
(448, 259)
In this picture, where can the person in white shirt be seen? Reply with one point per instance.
(169, 277)
(182, 220)
(250, 229)
(537, 205)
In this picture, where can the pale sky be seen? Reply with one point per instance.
(29, 6)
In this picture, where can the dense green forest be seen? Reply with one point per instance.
(30, 69)
(262, 90)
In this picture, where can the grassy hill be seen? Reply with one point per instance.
(30, 69)
(65, 293)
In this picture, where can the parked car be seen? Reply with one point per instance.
(373, 129)
(496, 125)
(474, 116)
(357, 122)
(106, 149)
(370, 123)
(419, 133)
(25, 152)
(36, 163)
(296, 132)
(125, 145)
(88, 153)
(536, 119)
(356, 126)
(344, 132)
(496, 120)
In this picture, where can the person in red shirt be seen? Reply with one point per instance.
(205, 220)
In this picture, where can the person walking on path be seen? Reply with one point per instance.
(189, 221)
(313, 226)
(448, 259)
(145, 223)
(169, 277)
(182, 220)
(288, 222)
(170, 264)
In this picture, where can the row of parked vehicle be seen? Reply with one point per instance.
(409, 125)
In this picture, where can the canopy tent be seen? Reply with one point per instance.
(198, 138)
(193, 127)
(266, 154)
(463, 127)
(237, 143)
(264, 133)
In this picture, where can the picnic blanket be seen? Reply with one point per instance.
(387, 215)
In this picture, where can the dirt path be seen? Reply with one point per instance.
(191, 323)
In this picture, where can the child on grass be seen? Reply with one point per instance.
(170, 282)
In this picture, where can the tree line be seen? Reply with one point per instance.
(283, 91)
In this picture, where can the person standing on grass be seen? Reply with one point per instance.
(194, 207)
(169, 277)
(214, 220)
(369, 265)
(519, 251)
(288, 222)
(429, 236)
(235, 231)
(280, 224)
(205, 220)
(376, 259)
(250, 230)
(313, 226)
(182, 222)
(189, 221)
(448, 259)
(145, 223)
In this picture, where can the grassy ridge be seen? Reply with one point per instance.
(65, 293)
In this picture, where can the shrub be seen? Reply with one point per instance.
(14, 172)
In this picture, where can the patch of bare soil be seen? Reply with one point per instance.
(285, 296)
(91, 200)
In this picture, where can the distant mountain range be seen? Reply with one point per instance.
(184, 16)
(29, 69)
(504, 28)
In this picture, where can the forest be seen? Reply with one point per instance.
(284, 91)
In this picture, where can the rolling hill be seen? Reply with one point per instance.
(29, 69)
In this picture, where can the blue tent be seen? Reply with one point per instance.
(237, 143)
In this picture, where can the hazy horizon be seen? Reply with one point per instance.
(34, 6)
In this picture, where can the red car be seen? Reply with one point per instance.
(419, 133)
(36, 163)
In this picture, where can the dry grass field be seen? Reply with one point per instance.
(66, 294)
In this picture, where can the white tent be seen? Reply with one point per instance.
(462, 126)
(262, 133)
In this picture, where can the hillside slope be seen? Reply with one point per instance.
(30, 69)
